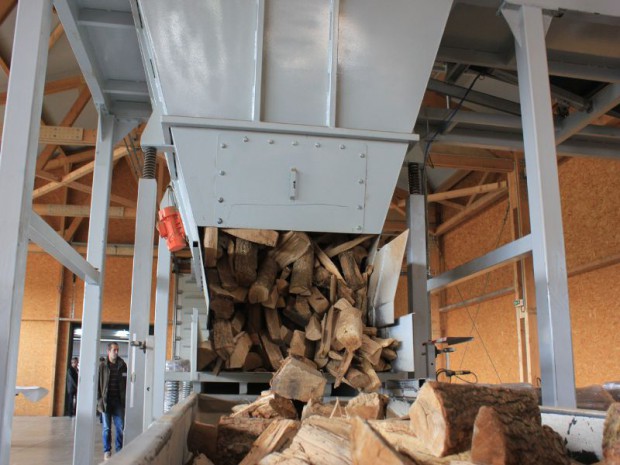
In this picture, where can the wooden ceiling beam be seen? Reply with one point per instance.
(56, 34)
(471, 163)
(80, 157)
(83, 211)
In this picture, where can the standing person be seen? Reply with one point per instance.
(111, 398)
(72, 387)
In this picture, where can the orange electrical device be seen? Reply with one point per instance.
(171, 228)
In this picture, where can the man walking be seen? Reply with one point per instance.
(111, 398)
(72, 387)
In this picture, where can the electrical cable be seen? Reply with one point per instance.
(443, 124)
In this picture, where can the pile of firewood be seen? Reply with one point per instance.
(278, 294)
(448, 424)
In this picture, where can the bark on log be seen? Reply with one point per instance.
(276, 437)
(246, 262)
(301, 277)
(272, 351)
(243, 344)
(504, 439)
(443, 414)
(611, 435)
(369, 448)
(223, 340)
(273, 324)
(291, 246)
(235, 437)
(227, 278)
(351, 272)
(260, 289)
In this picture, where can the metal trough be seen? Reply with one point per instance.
(287, 114)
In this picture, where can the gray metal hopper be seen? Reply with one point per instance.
(287, 114)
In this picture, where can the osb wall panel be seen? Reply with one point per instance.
(492, 355)
(41, 287)
(36, 361)
(596, 325)
(473, 239)
(590, 209)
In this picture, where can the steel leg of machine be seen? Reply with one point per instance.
(162, 295)
(83, 448)
(417, 266)
(140, 306)
(554, 328)
(17, 167)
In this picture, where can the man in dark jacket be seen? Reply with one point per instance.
(72, 387)
(111, 398)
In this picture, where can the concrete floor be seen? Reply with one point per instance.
(47, 440)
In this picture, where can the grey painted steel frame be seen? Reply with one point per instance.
(554, 328)
(162, 296)
(44, 235)
(84, 443)
(140, 306)
(417, 266)
(17, 167)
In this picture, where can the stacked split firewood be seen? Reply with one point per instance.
(278, 294)
(448, 424)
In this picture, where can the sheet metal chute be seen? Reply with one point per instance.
(286, 114)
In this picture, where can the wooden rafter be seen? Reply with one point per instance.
(55, 87)
(6, 7)
(80, 157)
(471, 163)
(74, 175)
(72, 229)
(453, 180)
(70, 118)
(481, 182)
(83, 211)
(113, 197)
(56, 34)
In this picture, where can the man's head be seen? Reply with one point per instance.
(112, 352)
(74, 362)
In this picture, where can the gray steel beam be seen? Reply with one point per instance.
(142, 276)
(125, 88)
(162, 295)
(17, 167)
(84, 442)
(417, 266)
(553, 313)
(473, 96)
(569, 67)
(597, 7)
(44, 235)
(68, 13)
(602, 102)
(501, 256)
(105, 18)
(471, 117)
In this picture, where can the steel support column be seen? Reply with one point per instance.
(162, 296)
(140, 306)
(17, 166)
(417, 266)
(555, 339)
(83, 449)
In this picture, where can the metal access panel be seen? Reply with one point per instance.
(189, 296)
(244, 179)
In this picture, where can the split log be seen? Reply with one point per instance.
(369, 448)
(223, 340)
(611, 435)
(367, 406)
(356, 378)
(321, 277)
(337, 250)
(296, 380)
(252, 362)
(327, 262)
(374, 383)
(333, 289)
(276, 437)
(272, 300)
(330, 410)
(503, 439)
(323, 441)
(261, 288)
(443, 414)
(235, 437)
(273, 324)
(202, 459)
(298, 311)
(301, 277)
(222, 307)
(350, 270)
(345, 292)
(360, 253)
(210, 247)
(282, 286)
(243, 344)
(318, 302)
(257, 236)
(370, 350)
(313, 329)
(299, 345)
(268, 405)
(206, 355)
(348, 332)
(255, 318)
(246, 262)
(286, 335)
(238, 322)
(227, 278)
(272, 351)
(291, 246)
(327, 329)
